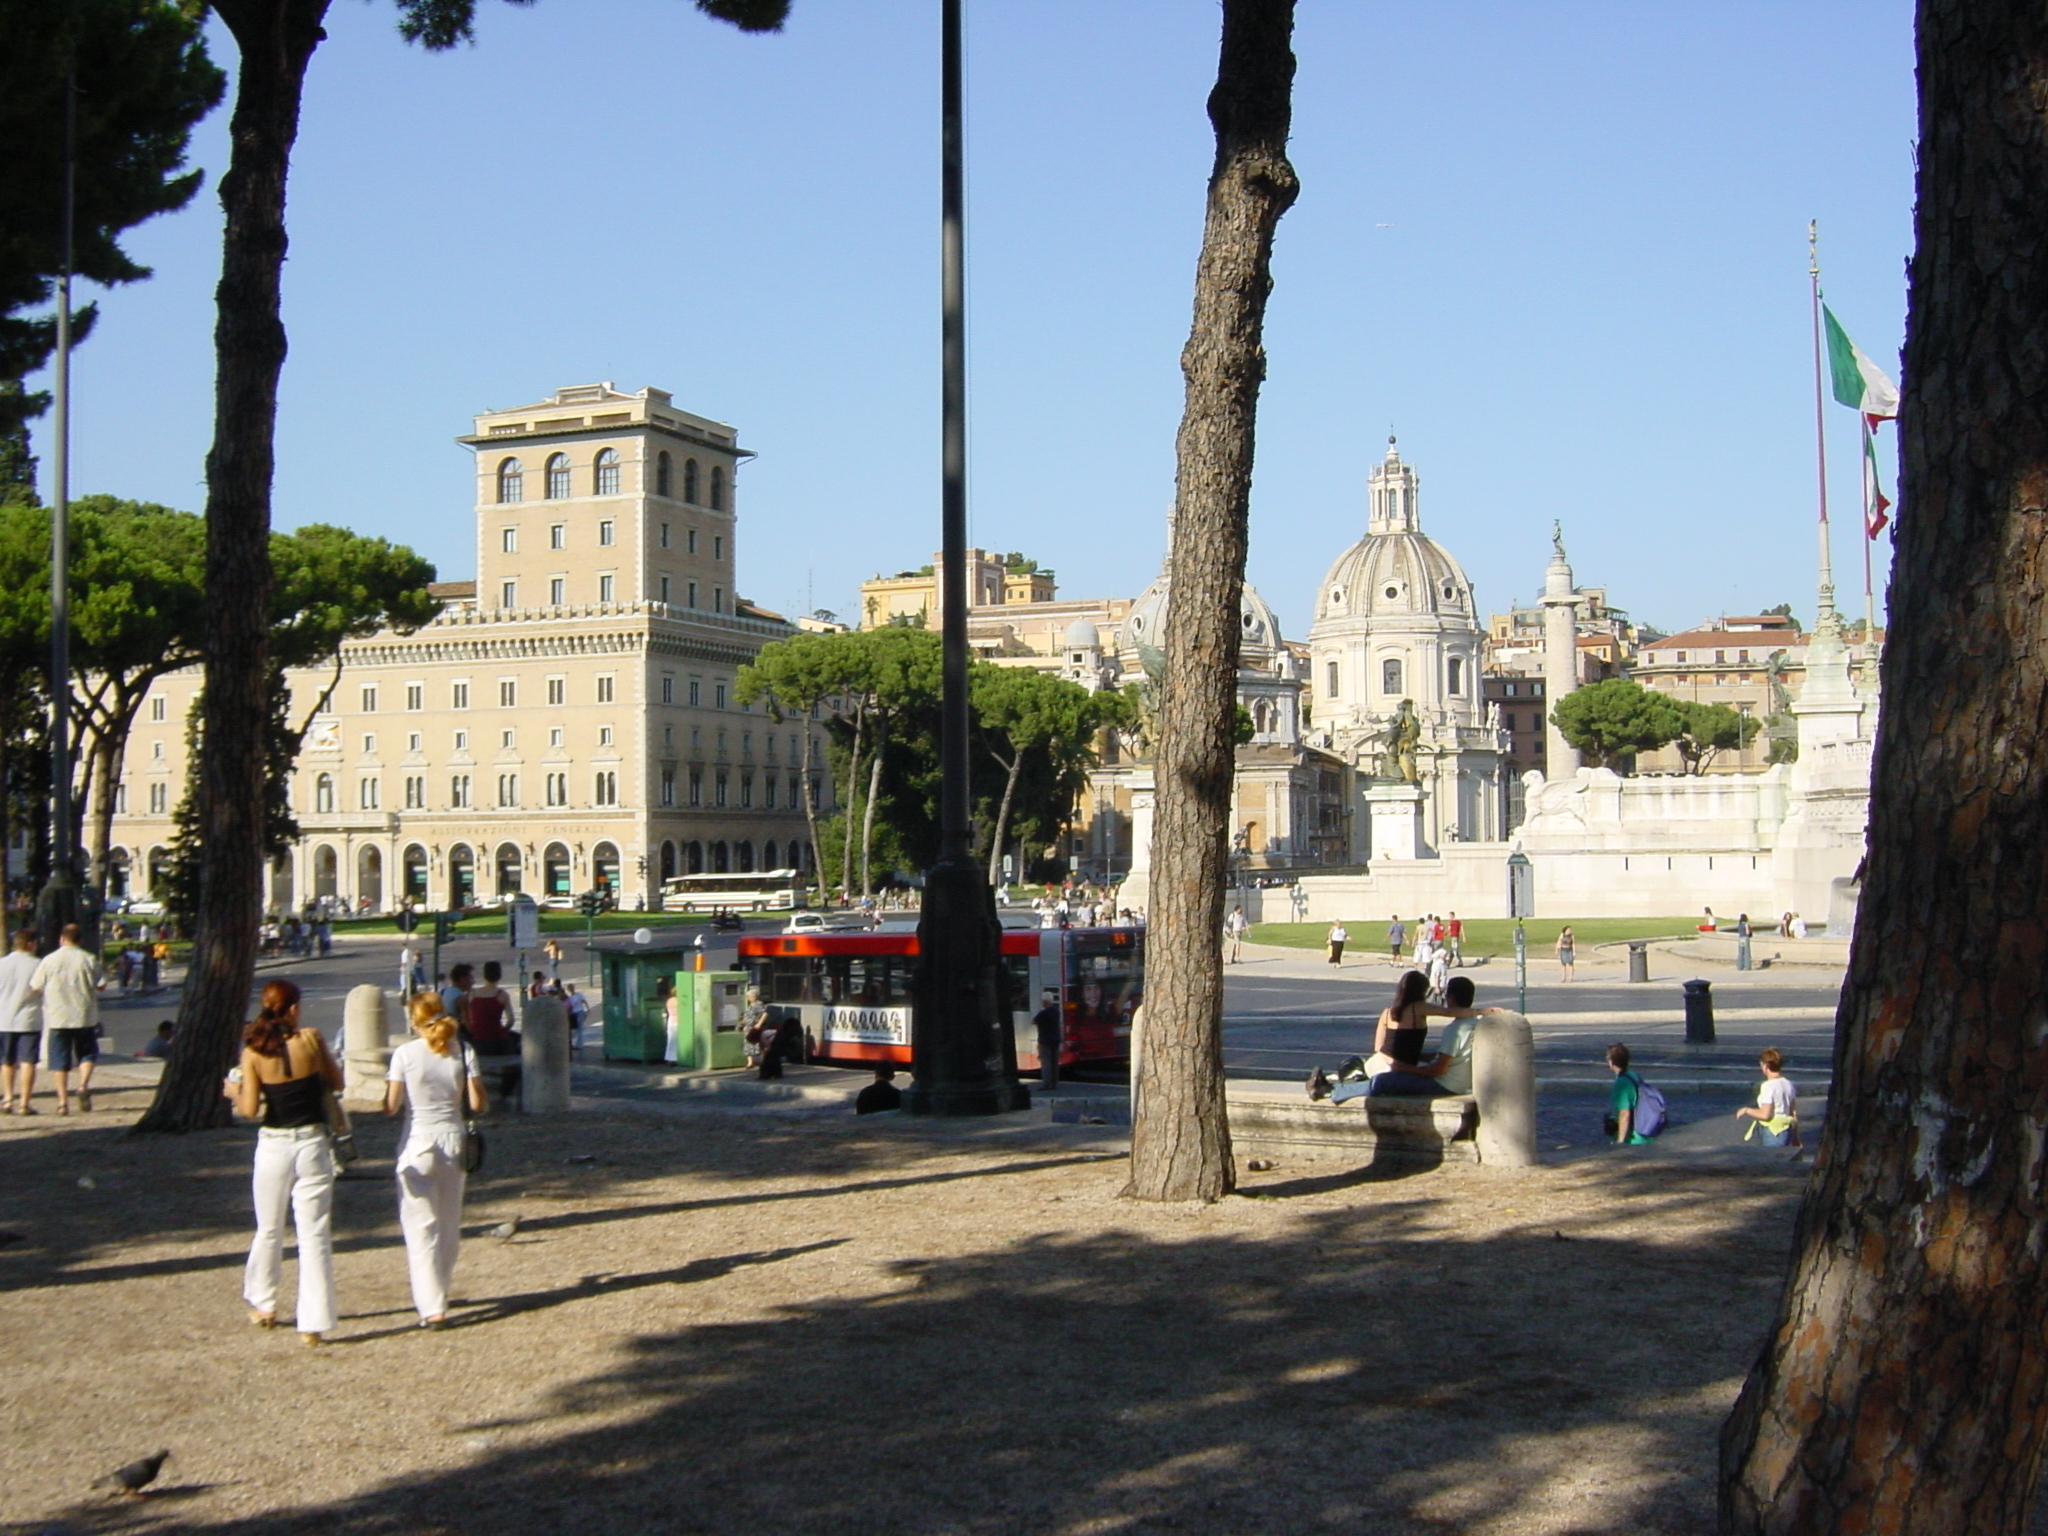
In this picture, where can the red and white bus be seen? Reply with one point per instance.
(850, 992)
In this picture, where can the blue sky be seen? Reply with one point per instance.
(1559, 249)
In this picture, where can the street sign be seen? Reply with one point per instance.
(522, 922)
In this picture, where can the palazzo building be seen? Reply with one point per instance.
(567, 722)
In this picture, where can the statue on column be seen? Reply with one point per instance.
(1398, 743)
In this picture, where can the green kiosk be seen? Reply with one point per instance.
(710, 1007)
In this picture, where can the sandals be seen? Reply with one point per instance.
(85, 1100)
(263, 1319)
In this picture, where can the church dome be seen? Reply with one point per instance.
(1144, 627)
(1083, 636)
(1396, 570)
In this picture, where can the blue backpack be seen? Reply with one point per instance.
(1651, 1111)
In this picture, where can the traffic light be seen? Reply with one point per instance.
(444, 927)
(590, 903)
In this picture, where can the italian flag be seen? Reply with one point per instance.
(1876, 505)
(1859, 383)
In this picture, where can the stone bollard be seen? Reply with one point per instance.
(366, 1039)
(544, 1056)
(1504, 1084)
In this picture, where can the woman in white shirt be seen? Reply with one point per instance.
(1777, 1105)
(429, 1077)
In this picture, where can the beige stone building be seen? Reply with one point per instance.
(568, 722)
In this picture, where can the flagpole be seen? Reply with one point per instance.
(1869, 538)
(1827, 623)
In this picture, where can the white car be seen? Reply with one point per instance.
(820, 922)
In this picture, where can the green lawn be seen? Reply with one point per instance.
(1483, 936)
(551, 921)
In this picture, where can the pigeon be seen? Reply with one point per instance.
(1260, 1165)
(505, 1231)
(136, 1476)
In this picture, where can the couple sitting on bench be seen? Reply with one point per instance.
(1397, 1068)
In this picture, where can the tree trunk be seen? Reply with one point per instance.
(810, 803)
(1903, 1386)
(995, 842)
(860, 712)
(276, 39)
(867, 816)
(1180, 1143)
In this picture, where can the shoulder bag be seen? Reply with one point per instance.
(472, 1156)
(341, 1136)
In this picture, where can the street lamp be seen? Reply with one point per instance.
(962, 1053)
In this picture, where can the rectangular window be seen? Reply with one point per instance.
(604, 688)
(768, 790)
(157, 707)
(558, 536)
(664, 589)
(462, 741)
(692, 590)
(668, 786)
(554, 735)
(696, 786)
(415, 792)
(412, 741)
(458, 792)
(1331, 689)
(557, 790)
(607, 789)
(718, 599)
(746, 791)
(458, 696)
(508, 693)
(604, 735)
(159, 799)
(604, 532)
(508, 541)
(604, 589)
(664, 535)
(508, 594)
(668, 689)
(718, 546)
(696, 691)
(508, 789)
(668, 735)
(369, 700)
(415, 696)
(369, 745)
(746, 743)
(696, 739)
(718, 695)
(718, 790)
(367, 794)
(690, 540)
(505, 739)
(557, 591)
(558, 689)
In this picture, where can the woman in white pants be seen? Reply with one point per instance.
(428, 1075)
(284, 1072)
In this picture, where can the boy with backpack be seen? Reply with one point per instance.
(1635, 1109)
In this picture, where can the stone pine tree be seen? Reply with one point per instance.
(1180, 1143)
(275, 41)
(1904, 1384)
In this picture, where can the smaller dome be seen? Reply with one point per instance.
(1144, 627)
(1083, 636)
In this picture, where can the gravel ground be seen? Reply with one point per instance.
(769, 1321)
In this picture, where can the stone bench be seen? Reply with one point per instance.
(1494, 1124)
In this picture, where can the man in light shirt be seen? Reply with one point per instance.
(67, 980)
(21, 1026)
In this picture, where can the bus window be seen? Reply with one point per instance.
(1021, 998)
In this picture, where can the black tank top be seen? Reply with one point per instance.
(293, 1103)
(1405, 1045)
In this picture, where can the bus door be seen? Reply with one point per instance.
(1031, 971)
(1103, 981)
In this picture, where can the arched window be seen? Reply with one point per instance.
(693, 858)
(718, 487)
(554, 869)
(1262, 717)
(743, 855)
(416, 872)
(661, 467)
(461, 876)
(1457, 677)
(690, 481)
(668, 859)
(323, 795)
(1331, 691)
(1390, 675)
(768, 854)
(719, 861)
(326, 871)
(558, 476)
(608, 472)
(511, 481)
(510, 867)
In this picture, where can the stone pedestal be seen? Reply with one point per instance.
(367, 1019)
(1136, 888)
(1396, 812)
(544, 1056)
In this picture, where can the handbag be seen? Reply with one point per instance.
(472, 1155)
(341, 1138)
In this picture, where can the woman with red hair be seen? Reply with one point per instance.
(285, 1072)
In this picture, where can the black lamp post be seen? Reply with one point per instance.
(963, 1054)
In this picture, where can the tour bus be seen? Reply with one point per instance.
(755, 892)
(851, 991)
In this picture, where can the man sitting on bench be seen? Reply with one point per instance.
(1386, 1074)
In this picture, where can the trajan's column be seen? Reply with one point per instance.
(1560, 655)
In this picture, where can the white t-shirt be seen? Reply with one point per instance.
(69, 980)
(21, 1011)
(1778, 1097)
(433, 1087)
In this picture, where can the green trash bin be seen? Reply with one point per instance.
(711, 1018)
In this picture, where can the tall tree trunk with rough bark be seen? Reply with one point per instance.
(276, 39)
(1904, 1385)
(1180, 1145)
